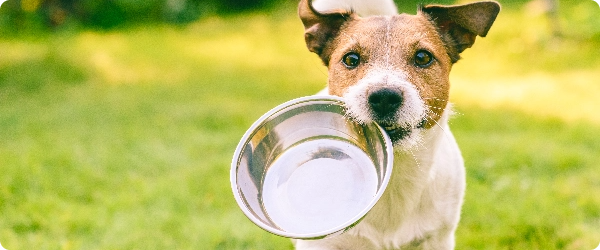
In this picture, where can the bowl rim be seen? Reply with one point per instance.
(316, 235)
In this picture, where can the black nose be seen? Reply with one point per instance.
(385, 102)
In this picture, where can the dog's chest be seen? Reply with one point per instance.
(405, 213)
(422, 196)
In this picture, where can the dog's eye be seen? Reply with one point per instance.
(423, 58)
(351, 60)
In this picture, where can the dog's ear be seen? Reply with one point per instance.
(460, 24)
(320, 28)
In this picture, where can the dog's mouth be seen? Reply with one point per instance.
(397, 132)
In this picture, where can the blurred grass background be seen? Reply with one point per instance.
(120, 137)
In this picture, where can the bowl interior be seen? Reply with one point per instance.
(305, 170)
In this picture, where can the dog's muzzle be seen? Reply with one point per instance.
(385, 105)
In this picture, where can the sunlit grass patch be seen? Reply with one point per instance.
(521, 66)
(570, 96)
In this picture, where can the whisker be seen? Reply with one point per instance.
(416, 160)
(446, 133)
(420, 144)
(433, 107)
(434, 98)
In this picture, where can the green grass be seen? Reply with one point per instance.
(123, 139)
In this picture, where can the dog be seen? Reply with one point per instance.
(394, 70)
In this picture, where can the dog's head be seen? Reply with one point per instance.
(394, 70)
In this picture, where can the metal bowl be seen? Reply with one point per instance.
(306, 171)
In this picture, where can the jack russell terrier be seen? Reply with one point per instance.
(394, 70)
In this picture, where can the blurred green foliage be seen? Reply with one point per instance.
(16, 15)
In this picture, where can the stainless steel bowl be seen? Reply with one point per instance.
(306, 171)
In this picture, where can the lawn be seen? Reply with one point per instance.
(123, 139)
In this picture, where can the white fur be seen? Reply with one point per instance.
(361, 7)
